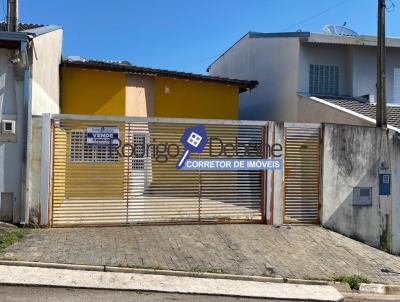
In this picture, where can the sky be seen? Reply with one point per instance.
(187, 35)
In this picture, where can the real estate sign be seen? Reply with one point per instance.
(101, 135)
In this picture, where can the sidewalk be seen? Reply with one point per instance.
(302, 252)
(33, 276)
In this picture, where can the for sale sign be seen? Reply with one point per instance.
(102, 135)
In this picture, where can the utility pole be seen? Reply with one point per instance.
(12, 15)
(381, 119)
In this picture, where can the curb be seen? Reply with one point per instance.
(115, 269)
(342, 287)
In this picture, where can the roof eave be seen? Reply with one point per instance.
(243, 85)
(13, 36)
(345, 110)
(41, 30)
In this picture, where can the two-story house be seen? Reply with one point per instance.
(310, 77)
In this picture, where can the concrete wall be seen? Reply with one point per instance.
(11, 106)
(273, 62)
(394, 153)
(45, 73)
(353, 157)
(35, 169)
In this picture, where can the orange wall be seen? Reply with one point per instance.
(195, 99)
(85, 91)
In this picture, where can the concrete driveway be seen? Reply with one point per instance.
(307, 252)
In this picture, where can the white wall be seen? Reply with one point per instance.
(282, 64)
(273, 62)
(357, 67)
(45, 73)
(311, 111)
(322, 54)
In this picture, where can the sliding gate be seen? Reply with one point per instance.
(95, 184)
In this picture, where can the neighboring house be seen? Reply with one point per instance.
(297, 71)
(118, 88)
(29, 85)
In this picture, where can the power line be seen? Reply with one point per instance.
(316, 15)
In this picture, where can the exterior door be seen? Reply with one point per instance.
(302, 175)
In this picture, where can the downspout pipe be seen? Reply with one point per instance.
(27, 134)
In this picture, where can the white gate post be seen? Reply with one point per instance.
(45, 169)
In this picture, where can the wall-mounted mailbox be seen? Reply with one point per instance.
(384, 184)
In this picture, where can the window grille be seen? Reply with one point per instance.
(80, 151)
(139, 141)
(324, 79)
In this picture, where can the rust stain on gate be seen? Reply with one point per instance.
(89, 187)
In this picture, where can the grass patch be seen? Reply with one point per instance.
(353, 281)
(12, 236)
(200, 269)
(216, 271)
(197, 269)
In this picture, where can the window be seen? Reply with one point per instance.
(139, 141)
(80, 151)
(396, 85)
(324, 79)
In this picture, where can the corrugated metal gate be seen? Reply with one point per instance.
(91, 186)
(302, 175)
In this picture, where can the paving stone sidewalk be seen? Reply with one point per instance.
(307, 252)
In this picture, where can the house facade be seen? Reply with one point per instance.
(116, 88)
(291, 67)
(29, 86)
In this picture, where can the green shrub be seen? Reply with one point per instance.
(354, 281)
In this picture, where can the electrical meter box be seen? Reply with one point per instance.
(385, 181)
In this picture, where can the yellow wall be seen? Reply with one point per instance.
(195, 99)
(95, 92)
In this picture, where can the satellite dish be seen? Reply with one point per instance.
(339, 30)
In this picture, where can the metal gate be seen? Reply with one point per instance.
(94, 185)
(302, 175)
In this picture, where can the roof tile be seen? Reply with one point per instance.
(369, 110)
(126, 67)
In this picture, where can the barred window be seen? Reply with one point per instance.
(324, 79)
(80, 151)
(139, 140)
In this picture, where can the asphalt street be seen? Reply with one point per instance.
(48, 294)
